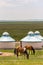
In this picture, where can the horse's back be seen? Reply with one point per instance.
(28, 47)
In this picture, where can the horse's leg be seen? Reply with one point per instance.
(17, 54)
(29, 51)
(21, 54)
(27, 56)
(32, 51)
(26, 53)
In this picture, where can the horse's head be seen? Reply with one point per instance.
(15, 50)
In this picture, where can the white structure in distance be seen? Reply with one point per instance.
(6, 41)
(31, 39)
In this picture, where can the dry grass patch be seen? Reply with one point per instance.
(7, 54)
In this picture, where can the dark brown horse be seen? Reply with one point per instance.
(29, 47)
(21, 51)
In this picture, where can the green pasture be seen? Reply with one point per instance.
(36, 59)
(20, 29)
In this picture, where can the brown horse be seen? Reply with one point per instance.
(29, 47)
(21, 51)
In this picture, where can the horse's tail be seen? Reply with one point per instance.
(33, 50)
(14, 50)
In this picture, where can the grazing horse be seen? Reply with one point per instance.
(21, 51)
(29, 47)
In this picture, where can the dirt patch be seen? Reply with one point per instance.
(41, 56)
(7, 54)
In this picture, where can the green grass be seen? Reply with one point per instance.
(18, 30)
(6, 50)
(26, 62)
(36, 59)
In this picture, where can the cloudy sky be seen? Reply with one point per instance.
(21, 9)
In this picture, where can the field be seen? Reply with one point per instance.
(20, 29)
(36, 59)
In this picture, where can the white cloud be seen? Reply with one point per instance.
(3, 3)
(21, 9)
(16, 2)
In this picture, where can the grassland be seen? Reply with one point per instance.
(36, 59)
(19, 29)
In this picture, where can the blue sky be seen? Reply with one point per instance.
(21, 9)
